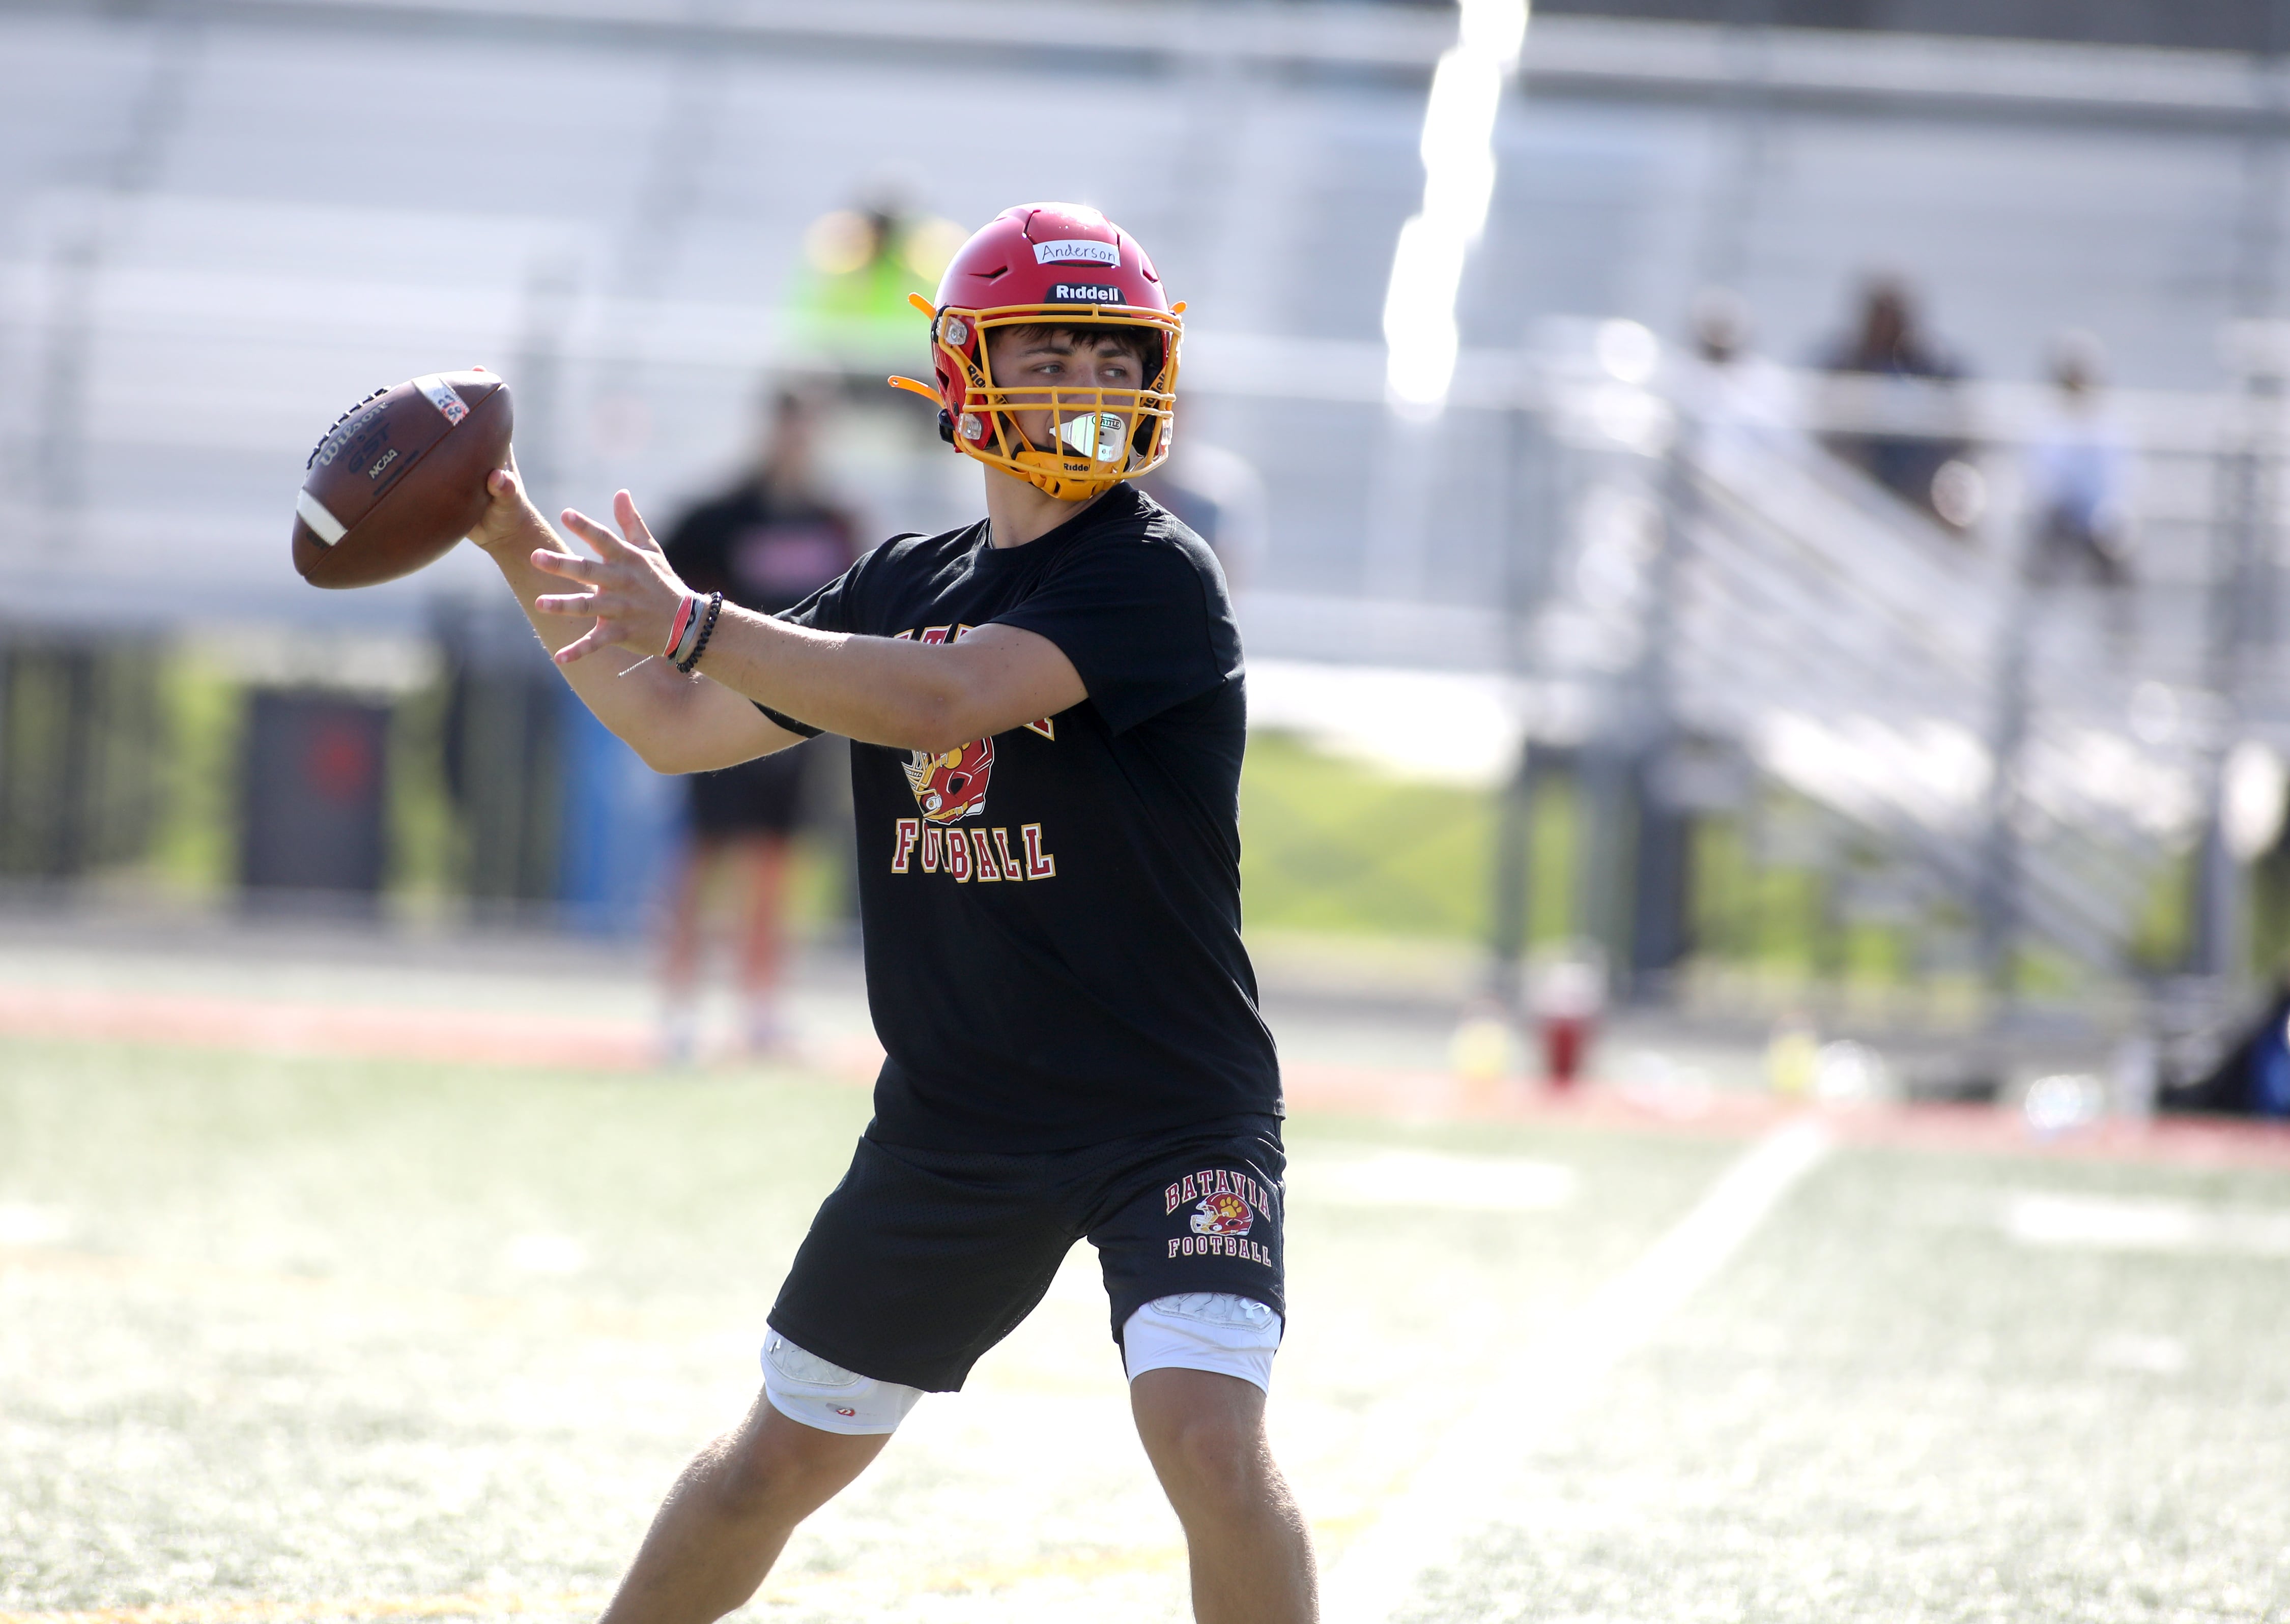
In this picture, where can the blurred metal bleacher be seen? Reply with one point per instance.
(224, 220)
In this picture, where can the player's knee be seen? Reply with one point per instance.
(765, 1468)
(1221, 1460)
(738, 1477)
(1211, 1454)
(753, 1470)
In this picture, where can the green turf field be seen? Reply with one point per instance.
(1887, 1410)
(316, 1339)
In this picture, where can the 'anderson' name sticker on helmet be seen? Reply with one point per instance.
(1067, 249)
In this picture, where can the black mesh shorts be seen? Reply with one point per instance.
(920, 1260)
(762, 797)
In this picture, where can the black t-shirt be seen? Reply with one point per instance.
(1052, 915)
(762, 548)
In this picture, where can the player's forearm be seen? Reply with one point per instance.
(651, 706)
(877, 690)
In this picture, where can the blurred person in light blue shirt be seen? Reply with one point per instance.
(1744, 393)
(2079, 475)
(1218, 495)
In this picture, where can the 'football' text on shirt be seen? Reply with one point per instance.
(981, 855)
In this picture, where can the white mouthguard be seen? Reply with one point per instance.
(1099, 435)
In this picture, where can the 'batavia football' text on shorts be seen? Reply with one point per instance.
(920, 1260)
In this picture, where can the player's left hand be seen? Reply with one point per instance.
(631, 591)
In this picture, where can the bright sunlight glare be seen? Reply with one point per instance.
(1459, 180)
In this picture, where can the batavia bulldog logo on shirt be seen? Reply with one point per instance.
(952, 786)
(949, 788)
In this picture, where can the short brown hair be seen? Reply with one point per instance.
(1142, 343)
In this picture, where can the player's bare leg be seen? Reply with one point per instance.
(725, 1521)
(763, 948)
(1252, 1558)
(682, 939)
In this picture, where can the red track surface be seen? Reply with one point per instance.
(509, 1037)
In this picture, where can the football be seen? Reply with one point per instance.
(400, 478)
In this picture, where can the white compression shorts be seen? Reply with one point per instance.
(804, 1387)
(1203, 1330)
(1199, 1330)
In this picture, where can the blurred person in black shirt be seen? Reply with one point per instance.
(766, 544)
(1929, 470)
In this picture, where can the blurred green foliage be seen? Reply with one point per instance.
(1331, 846)
(427, 852)
(1328, 844)
(203, 714)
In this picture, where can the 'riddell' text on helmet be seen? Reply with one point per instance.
(1061, 264)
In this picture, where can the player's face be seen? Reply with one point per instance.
(1033, 364)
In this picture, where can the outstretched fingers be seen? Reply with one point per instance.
(572, 566)
(602, 634)
(595, 535)
(631, 522)
(631, 592)
(634, 535)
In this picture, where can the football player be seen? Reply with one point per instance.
(1047, 720)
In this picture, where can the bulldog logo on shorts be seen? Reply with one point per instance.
(1226, 1205)
(951, 786)
(1222, 1213)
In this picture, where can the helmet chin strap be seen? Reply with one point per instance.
(1060, 485)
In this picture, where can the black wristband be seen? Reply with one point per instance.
(707, 630)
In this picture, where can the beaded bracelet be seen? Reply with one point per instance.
(707, 630)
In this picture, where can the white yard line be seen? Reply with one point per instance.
(1422, 1527)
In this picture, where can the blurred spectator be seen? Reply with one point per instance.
(1931, 471)
(1747, 389)
(2253, 1078)
(1721, 326)
(848, 307)
(766, 544)
(2079, 478)
(1218, 495)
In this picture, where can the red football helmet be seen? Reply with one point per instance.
(1066, 265)
(952, 785)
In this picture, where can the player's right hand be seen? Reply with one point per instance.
(509, 518)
